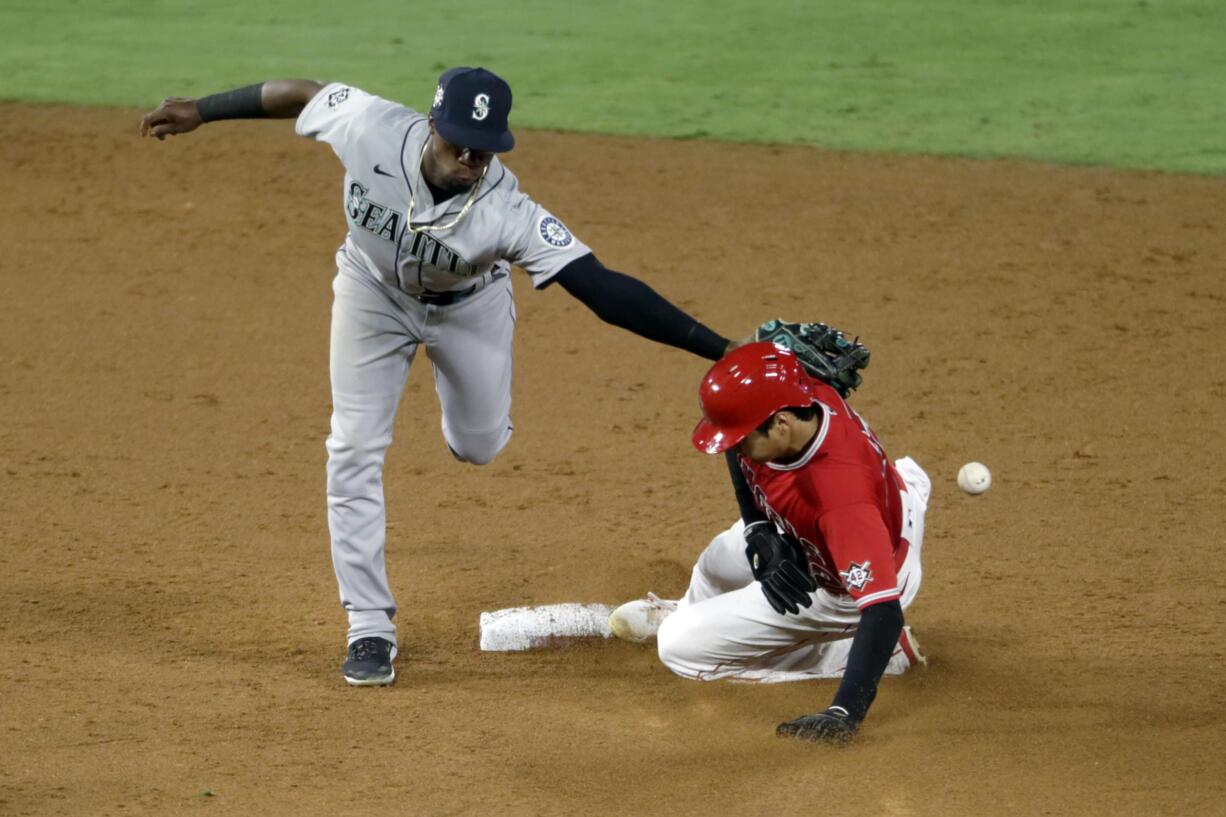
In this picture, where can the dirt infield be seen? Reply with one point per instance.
(171, 635)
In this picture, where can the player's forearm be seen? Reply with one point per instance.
(750, 512)
(871, 648)
(627, 302)
(285, 98)
(275, 99)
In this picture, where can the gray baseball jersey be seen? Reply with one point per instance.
(380, 144)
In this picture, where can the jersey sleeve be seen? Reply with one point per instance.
(538, 241)
(863, 553)
(338, 115)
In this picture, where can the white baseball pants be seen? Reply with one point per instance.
(376, 331)
(725, 628)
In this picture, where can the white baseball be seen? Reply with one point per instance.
(974, 478)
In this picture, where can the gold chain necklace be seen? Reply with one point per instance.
(472, 197)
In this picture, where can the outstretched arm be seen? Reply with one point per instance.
(871, 648)
(275, 99)
(627, 302)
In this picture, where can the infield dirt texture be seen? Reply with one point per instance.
(168, 615)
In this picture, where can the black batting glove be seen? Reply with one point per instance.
(832, 726)
(777, 563)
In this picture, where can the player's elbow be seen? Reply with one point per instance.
(287, 97)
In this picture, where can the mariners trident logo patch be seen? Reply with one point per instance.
(857, 576)
(555, 233)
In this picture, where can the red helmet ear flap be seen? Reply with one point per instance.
(743, 389)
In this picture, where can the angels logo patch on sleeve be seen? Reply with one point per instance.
(554, 232)
(857, 576)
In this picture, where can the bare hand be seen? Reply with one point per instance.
(737, 344)
(176, 114)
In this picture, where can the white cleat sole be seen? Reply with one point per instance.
(381, 681)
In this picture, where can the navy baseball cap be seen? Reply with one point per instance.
(470, 109)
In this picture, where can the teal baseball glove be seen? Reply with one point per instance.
(822, 350)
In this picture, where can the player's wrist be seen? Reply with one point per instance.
(706, 342)
(758, 527)
(241, 103)
(836, 711)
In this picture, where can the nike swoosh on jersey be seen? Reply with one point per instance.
(383, 172)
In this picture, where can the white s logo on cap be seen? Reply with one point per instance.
(481, 106)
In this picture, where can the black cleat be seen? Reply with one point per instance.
(369, 662)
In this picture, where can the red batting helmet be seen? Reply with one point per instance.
(745, 388)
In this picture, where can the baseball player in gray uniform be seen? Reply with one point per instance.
(435, 223)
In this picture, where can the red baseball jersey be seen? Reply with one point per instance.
(841, 500)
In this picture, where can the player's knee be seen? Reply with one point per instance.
(477, 449)
(472, 456)
(722, 566)
(353, 471)
(679, 644)
(347, 449)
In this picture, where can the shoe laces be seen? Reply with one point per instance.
(366, 648)
(660, 604)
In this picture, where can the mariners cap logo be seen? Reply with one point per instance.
(481, 106)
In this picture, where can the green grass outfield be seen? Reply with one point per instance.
(1133, 83)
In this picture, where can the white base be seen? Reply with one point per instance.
(534, 628)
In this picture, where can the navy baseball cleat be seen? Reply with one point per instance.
(369, 662)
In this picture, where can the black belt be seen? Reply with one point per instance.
(444, 298)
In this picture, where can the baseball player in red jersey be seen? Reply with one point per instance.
(813, 580)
